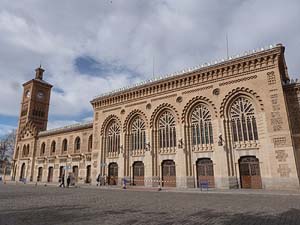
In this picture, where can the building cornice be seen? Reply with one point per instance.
(249, 63)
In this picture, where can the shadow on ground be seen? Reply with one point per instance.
(63, 215)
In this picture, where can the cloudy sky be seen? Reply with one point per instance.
(94, 46)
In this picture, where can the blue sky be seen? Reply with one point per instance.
(92, 47)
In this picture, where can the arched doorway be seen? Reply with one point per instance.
(250, 172)
(22, 173)
(138, 173)
(88, 174)
(113, 174)
(50, 174)
(40, 174)
(61, 171)
(75, 173)
(168, 173)
(205, 172)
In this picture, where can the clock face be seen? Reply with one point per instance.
(40, 95)
(27, 94)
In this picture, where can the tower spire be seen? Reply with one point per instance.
(39, 73)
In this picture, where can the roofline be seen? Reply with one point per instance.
(69, 128)
(186, 71)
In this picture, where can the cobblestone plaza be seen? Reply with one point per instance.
(27, 204)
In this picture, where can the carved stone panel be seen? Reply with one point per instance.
(284, 170)
(281, 155)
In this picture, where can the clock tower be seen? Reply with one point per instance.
(35, 103)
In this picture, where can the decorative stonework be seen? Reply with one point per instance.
(109, 110)
(159, 109)
(197, 89)
(271, 78)
(135, 104)
(122, 112)
(238, 91)
(163, 97)
(196, 100)
(281, 155)
(131, 115)
(279, 142)
(148, 106)
(276, 119)
(284, 170)
(179, 99)
(216, 91)
(95, 164)
(238, 80)
(106, 122)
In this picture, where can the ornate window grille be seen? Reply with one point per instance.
(138, 134)
(167, 130)
(243, 121)
(201, 126)
(113, 138)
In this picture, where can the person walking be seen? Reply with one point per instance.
(62, 182)
(98, 180)
(68, 180)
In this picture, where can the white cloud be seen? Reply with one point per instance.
(176, 33)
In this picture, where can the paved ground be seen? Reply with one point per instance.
(27, 204)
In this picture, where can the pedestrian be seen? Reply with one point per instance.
(68, 180)
(98, 180)
(62, 181)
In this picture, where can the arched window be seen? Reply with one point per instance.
(243, 121)
(28, 150)
(137, 134)
(201, 127)
(90, 143)
(53, 147)
(64, 146)
(77, 144)
(166, 130)
(113, 137)
(43, 147)
(24, 151)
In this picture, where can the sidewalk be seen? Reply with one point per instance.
(168, 189)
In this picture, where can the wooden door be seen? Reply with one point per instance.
(50, 174)
(40, 174)
(113, 174)
(138, 174)
(88, 174)
(168, 173)
(205, 172)
(75, 173)
(22, 173)
(250, 172)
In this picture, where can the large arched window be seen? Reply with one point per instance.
(77, 144)
(201, 127)
(113, 137)
(137, 134)
(43, 147)
(64, 146)
(90, 143)
(243, 121)
(166, 130)
(53, 147)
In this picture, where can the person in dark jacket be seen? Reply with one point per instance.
(68, 181)
(62, 182)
